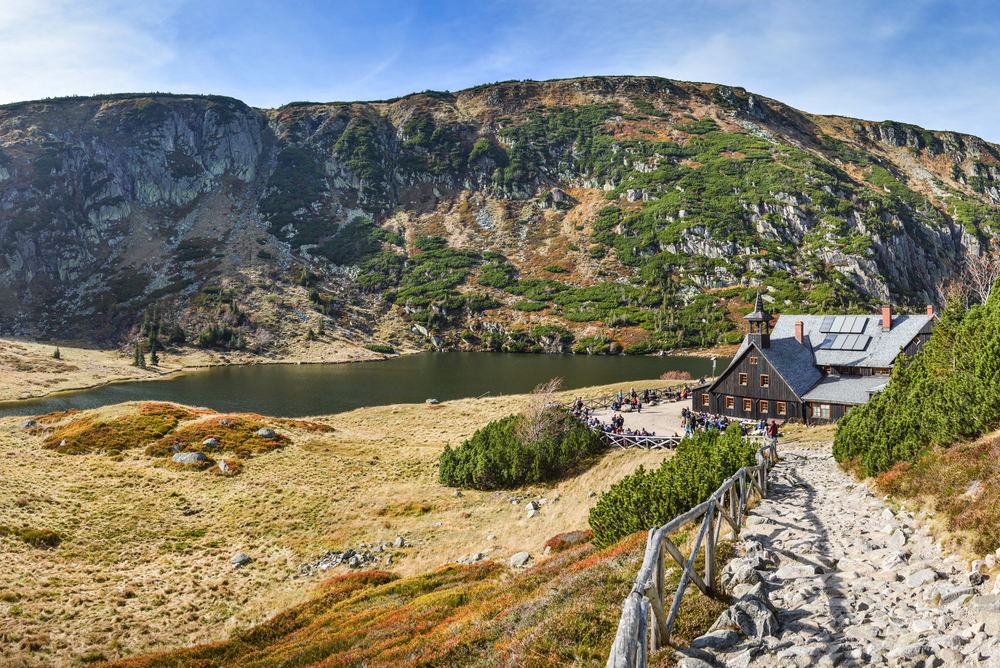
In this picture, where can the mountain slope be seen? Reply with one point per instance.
(587, 214)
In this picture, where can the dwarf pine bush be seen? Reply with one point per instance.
(495, 456)
(651, 498)
(949, 392)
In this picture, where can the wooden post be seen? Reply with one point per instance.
(732, 509)
(641, 658)
(655, 639)
(710, 541)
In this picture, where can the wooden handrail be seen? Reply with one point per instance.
(629, 649)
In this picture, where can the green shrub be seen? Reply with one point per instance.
(380, 348)
(530, 306)
(950, 392)
(652, 498)
(554, 268)
(495, 457)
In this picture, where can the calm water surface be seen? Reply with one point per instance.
(285, 390)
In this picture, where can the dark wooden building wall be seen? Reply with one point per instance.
(728, 386)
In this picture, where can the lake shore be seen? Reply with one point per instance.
(31, 372)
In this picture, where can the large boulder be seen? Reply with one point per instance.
(749, 616)
(519, 560)
(189, 458)
(267, 432)
(738, 571)
(28, 424)
(240, 559)
(210, 443)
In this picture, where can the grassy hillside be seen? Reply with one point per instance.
(109, 547)
(564, 611)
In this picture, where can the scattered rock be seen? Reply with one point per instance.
(921, 577)
(223, 466)
(491, 537)
(691, 662)
(897, 539)
(28, 424)
(399, 542)
(592, 494)
(908, 651)
(210, 443)
(716, 640)
(531, 506)
(240, 559)
(267, 432)
(224, 422)
(519, 560)
(456, 493)
(189, 458)
(532, 513)
(432, 402)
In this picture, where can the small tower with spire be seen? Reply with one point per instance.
(760, 324)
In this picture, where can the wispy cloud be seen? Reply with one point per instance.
(928, 62)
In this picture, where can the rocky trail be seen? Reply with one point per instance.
(832, 576)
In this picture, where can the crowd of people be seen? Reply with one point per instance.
(691, 421)
(616, 424)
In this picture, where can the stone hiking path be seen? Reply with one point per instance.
(832, 577)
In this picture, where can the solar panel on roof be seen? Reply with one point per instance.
(839, 343)
(859, 324)
(827, 324)
(848, 324)
(828, 342)
(862, 343)
(838, 324)
(850, 341)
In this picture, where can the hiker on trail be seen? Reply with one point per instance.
(772, 432)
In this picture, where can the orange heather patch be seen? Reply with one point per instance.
(88, 434)
(235, 433)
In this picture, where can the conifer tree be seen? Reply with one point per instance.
(310, 335)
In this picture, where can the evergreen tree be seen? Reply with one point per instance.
(56, 354)
(310, 335)
(153, 359)
(321, 330)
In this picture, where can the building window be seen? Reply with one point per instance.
(821, 411)
(765, 380)
(847, 409)
(763, 406)
(743, 379)
(730, 402)
(881, 371)
(782, 408)
(704, 400)
(748, 405)
(753, 360)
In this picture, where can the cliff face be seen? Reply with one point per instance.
(577, 205)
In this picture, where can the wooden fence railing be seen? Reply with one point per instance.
(729, 504)
(625, 441)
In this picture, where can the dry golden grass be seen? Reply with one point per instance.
(143, 562)
(30, 371)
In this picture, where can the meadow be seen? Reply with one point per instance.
(111, 550)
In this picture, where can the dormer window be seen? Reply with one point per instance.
(753, 360)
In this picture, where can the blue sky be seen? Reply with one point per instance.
(930, 63)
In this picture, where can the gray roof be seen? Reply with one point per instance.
(758, 314)
(846, 389)
(881, 351)
(797, 362)
(793, 361)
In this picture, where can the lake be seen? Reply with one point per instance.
(288, 390)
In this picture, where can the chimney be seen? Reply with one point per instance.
(798, 330)
(930, 310)
(886, 317)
